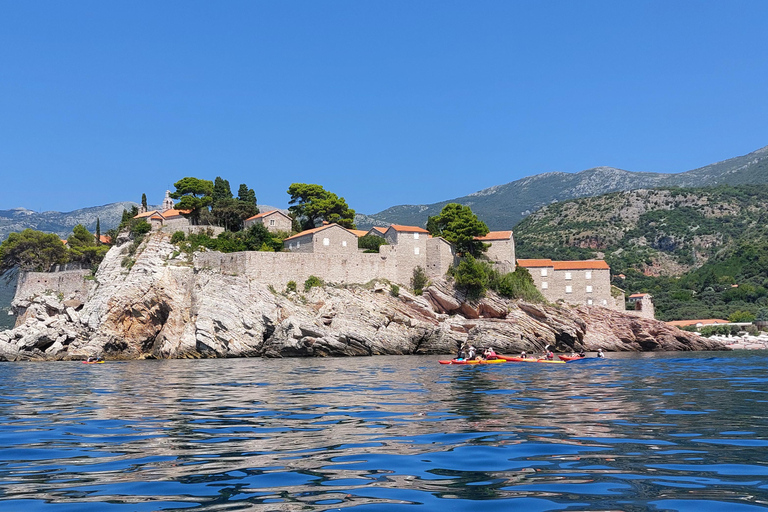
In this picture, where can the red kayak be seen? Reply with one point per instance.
(571, 358)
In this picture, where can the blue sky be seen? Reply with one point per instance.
(383, 102)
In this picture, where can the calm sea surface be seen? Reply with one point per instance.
(681, 431)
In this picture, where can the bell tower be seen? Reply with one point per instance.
(167, 202)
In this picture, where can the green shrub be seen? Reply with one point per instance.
(471, 276)
(311, 282)
(419, 280)
(139, 227)
(518, 285)
(394, 290)
(291, 286)
(741, 317)
(177, 237)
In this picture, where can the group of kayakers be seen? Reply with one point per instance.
(469, 352)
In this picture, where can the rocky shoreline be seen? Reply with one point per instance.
(747, 342)
(165, 305)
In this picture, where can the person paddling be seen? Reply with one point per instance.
(600, 353)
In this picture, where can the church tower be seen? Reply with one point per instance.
(167, 202)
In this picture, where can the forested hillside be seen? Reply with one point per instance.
(701, 252)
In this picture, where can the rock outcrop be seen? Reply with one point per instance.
(151, 301)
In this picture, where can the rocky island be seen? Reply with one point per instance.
(167, 304)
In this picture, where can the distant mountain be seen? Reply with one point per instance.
(503, 206)
(19, 219)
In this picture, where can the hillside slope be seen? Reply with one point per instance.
(19, 219)
(503, 206)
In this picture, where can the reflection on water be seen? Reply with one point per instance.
(639, 432)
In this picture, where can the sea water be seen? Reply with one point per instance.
(633, 432)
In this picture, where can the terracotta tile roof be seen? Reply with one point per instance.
(581, 265)
(637, 295)
(535, 263)
(495, 235)
(380, 229)
(105, 239)
(264, 214)
(146, 214)
(706, 321)
(311, 231)
(173, 212)
(358, 232)
(408, 229)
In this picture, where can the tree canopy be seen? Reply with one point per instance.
(312, 203)
(459, 225)
(246, 195)
(83, 246)
(31, 250)
(194, 195)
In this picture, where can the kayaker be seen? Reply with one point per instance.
(523, 354)
(550, 355)
(461, 354)
(582, 354)
(600, 353)
(489, 353)
(471, 352)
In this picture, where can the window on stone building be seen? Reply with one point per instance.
(589, 302)
(271, 222)
(568, 276)
(605, 302)
(343, 243)
(589, 289)
(326, 241)
(298, 244)
(568, 289)
(544, 285)
(588, 274)
(415, 236)
(543, 272)
(416, 250)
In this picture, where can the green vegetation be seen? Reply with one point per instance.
(31, 250)
(312, 204)
(394, 290)
(177, 237)
(371, 243)
(701, 253)
(458, 225)
(419, 281)
(84, 248)
(291, 286)
(474, 277)
(194, 195)
(255, 238)
(311, 282)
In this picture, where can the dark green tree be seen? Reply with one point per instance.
(194, 195)
(144, 201)
(312, 203)
(459, 225)
(221, 190)
(98, 231)
(83, 247)
(230, 213)
(246, 195)
(31, 250)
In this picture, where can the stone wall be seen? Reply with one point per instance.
(187, 229)
(502, 252)
(66, 285)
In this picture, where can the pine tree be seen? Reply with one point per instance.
(144, 201)
(98, 230)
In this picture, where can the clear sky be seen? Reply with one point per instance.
(384, 102)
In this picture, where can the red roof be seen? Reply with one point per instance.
(535, 263)
(408, 229)
(637, 295)
(146, 214)
(379, 229)
(358, 232)
(495, 235)
(706, 321)
(105, 239)
(581, 265)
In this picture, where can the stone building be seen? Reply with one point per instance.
(169, 219)
(274, 221)
(327, 239)
(501, 250)
(574, 282)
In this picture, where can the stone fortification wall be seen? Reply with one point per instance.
(72, 284)
(502, 252)
(188, 229)
(278, 268)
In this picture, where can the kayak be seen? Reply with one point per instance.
(530, 360)
(571, 358)
(92, 362)
(473, 361)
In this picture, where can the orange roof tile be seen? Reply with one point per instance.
(379, 229)
(105, 239)
(706, 321)
(535, 263)
(313, 230)
(173, 212)
(408, 229)
(637, 295)
(358, 232)
(581, 265)
(146, 214)
(264, 214)
(495, 235)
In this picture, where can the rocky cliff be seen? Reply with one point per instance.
(159, 304)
